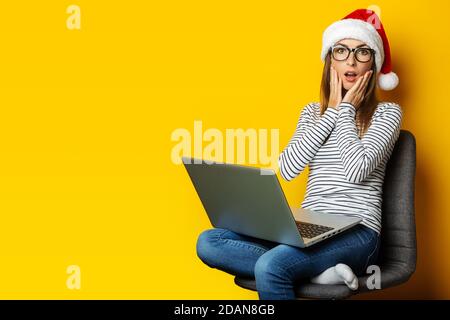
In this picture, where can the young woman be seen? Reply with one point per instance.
(346, 140)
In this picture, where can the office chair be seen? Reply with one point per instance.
(398, 249)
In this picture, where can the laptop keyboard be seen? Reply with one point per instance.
(310, 230)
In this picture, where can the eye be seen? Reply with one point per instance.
(340, 50)
(364, 51)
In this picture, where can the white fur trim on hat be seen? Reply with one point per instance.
(387, 81)
(354, 29)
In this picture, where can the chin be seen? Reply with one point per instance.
(348, 86)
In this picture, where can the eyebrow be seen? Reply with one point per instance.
(361, 45)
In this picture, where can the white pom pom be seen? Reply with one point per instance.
(387, 81)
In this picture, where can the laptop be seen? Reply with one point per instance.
(250, 201)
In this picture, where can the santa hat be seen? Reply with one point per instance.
(364, 25)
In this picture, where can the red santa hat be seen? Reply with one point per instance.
(364, 25)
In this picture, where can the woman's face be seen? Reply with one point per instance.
(351, 70)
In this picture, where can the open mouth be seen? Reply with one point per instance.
(350, 76)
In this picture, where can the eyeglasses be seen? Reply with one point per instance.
(341, 53)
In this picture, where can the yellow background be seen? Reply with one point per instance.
(86, 176)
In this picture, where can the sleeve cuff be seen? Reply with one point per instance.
(347, 106)
(331, 111)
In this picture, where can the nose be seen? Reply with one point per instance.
(351, 61)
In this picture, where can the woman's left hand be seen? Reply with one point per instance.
(355, 94)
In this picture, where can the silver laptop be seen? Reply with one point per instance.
(248, 201)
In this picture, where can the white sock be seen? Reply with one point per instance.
(339, 274)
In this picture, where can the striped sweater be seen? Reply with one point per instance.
(346, 173)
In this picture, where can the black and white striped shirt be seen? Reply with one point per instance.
(346, 173)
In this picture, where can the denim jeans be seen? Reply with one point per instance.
(277, 267)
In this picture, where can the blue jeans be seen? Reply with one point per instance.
(277, 267)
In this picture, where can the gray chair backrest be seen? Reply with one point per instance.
(398, 251)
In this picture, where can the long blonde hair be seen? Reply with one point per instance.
(368, 105)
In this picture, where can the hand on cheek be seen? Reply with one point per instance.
(355, 94)
(335, 89)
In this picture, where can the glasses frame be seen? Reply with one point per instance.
(350, 50)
